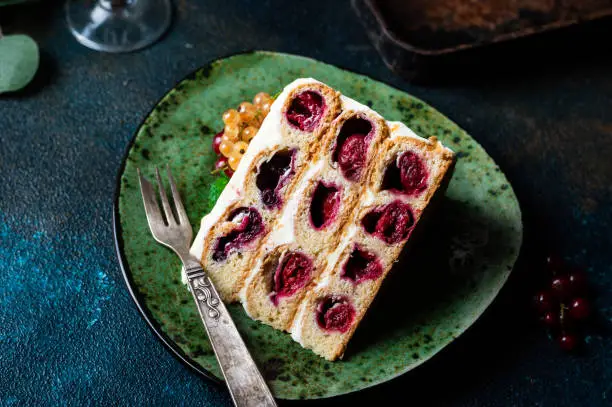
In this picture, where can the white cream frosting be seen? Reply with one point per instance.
(247, 282)
(284, 232)
(351, 104)
(297, 325)
(397, 129)
(324, 279)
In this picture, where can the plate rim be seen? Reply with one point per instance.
(138, 299)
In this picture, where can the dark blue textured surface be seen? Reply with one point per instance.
(69, 332)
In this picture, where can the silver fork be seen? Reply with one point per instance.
(246, 385)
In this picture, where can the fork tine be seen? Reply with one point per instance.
(178, 203)
(164, 199)
(150, 203)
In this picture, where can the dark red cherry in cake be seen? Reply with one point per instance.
(351, 147)
(249, 227)
(325, 204)
(407, 175)
(306, 110)
(272, 175)
(335, 313)
(293, 273)
(352, 157)
(361, 265)
(391, 223)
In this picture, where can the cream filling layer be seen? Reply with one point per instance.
(284, 232)
(297, 325)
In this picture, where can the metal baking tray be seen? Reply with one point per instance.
(421, 39)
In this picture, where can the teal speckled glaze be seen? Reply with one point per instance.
(454, 269)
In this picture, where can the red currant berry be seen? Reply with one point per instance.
(216, 142)
(544, 301)
(551, 319)
(561, 287)
(578, 281)
(568, 341)
(554, 264)
(579, 309)
(221, 163)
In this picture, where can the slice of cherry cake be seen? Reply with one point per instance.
(321, 205)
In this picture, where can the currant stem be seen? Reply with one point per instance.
(218, 170)
(562, 315)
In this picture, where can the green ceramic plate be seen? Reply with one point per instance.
(455, 269)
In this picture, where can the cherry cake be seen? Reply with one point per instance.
(319, 209)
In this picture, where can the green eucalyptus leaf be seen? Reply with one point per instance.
(215, 190)
(18, 62)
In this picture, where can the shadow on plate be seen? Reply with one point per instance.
(444, 265)
(492, 343)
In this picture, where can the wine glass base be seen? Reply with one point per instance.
(128, 27)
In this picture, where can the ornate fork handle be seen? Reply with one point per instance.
(202, 291)
(245, 383)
